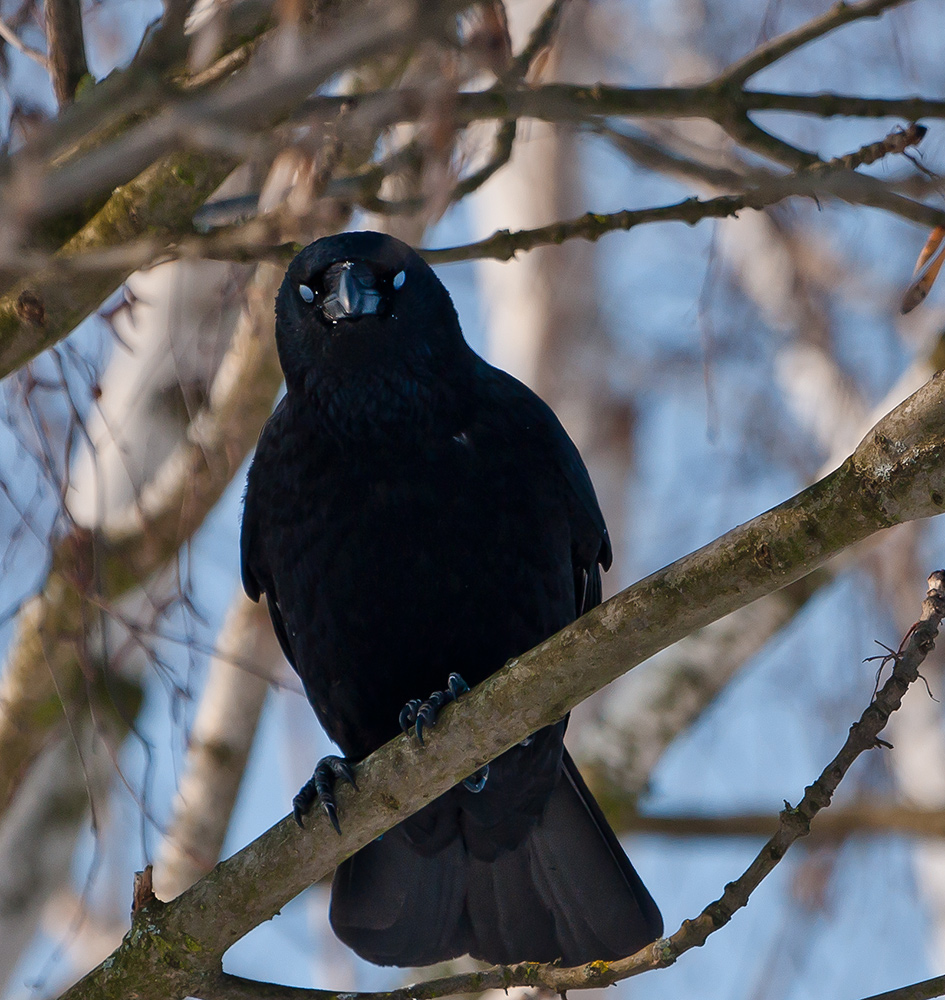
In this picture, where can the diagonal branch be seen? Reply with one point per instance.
(12, 38)
(793, 823)
(43, 309)
(765, 55)
(925, 990)
(896, 474)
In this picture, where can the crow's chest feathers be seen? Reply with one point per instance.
(378, 409)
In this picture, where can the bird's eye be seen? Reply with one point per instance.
(399, 278)
(307, 294)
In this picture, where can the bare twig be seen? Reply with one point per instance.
(752, 136)
(568, 102)
(839, 823)
(12, 38)
(925, 990)
(769, 53)
(846, 185)
(895, 143)
(541, 38)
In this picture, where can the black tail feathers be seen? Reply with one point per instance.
(568, 892)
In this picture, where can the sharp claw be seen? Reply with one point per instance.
(320, 788)
(426, 716)
(422, 714)
(456, 685)
(332, 814)
(408, 714)
(476, 782)
(302, 802)
(345, 771)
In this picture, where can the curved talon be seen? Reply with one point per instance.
(408, 714)
(456, 685)
(321, 787)
(429, 710)
(422, 715)
(476, 782)
(426, 716)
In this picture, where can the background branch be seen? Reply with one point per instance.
(777, 48)
(843, 184)
(65, 43)
(45, 664)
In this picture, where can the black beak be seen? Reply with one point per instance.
(350, 292)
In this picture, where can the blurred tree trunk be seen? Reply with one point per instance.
(543, 313)
(171, 337)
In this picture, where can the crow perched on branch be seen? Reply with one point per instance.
(412, 511)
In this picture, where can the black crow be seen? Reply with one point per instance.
(412, 511)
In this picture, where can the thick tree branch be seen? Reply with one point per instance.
(794, 823)
(43, 309)
(896, 474)
(65, 43)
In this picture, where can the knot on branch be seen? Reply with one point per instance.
(30, 308)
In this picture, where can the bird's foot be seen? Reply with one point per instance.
(321, 788)
(422, 714)
(476, 782)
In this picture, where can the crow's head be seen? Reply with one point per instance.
(358, 304)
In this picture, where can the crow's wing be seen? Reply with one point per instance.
(527, 418)
(254, 568)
